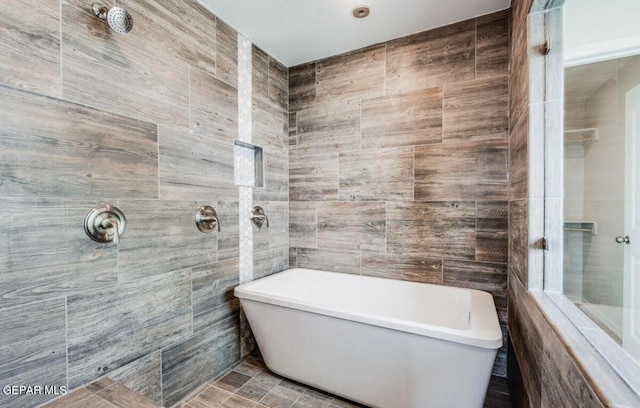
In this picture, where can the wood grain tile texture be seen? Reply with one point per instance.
(276, 179)
(351, 76)
(269, 127)
(278, 84)
(212, 287)
(407, 119)
(74, 264)
(119, 73)
(260, 73)
(213, 106)
(80, 399)
(226, 53)
(146, 122)
(33, 350)
(355, 226)
(518, 239)
(462, 171)
(302, 87)
(492, 45)
(313, 178)
(378, 175)
(55, 148)
(525, 325)
(278, 225)
(302, 224)
(431, 58)
(107, 329)
(194, 165)
(202, 357)
(155, 226)
(435, 229)
(328, 260)
(476, 110)
(268, 262)
(492, 240)
(143, 376)
(562, 377)
(122, 397)
(330, 128)
(404, 267)
(30, 46)
(185, 30)
(518, 158)
(104, 393)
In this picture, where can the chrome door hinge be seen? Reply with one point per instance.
(546, 47)
(541, 243)
(544, 244)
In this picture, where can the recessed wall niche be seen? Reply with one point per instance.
(248, 165)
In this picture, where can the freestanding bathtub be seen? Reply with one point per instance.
(380, 342)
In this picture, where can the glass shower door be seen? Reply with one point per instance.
(602, 196)
(631, 302)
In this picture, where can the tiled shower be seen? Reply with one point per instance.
(400, 160)
(144, 121)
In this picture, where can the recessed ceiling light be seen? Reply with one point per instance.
(361, 11)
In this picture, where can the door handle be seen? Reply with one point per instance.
(623, 240)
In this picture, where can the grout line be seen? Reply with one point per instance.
(189, 96)
(60, 48)
(413, 193)
(386, 92)
(158, 156)
(66, 336)
(475, 50)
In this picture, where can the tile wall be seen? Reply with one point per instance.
(399, 160)
(145, 121)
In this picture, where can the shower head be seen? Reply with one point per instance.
(117, 18)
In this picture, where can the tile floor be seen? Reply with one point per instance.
(251, 385)
(103, 393)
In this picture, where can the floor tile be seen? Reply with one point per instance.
(233, 381)
(210, 397)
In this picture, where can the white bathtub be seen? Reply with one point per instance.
(380, 342)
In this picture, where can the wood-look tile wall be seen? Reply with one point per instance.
(399, 160)
(543, 370)
(145, 121)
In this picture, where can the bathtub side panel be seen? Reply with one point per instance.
(371, 365)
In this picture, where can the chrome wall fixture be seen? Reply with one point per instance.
(105, 223)
(258, 217)
(118, 19)
(207, 219)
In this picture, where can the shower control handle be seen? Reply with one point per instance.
(207, 219)
(623, 240)
(105, 223)
(258, 217)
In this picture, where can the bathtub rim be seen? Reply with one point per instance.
(485, 331)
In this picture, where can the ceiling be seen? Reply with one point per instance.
(299, 31)
(616, 32)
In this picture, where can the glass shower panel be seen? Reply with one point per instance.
(597, 197)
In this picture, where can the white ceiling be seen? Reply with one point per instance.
(596, 30)
(298, 31)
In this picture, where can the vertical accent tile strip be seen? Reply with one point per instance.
(245, 193)
(244, 135)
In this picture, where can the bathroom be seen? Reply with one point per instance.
(432, 155)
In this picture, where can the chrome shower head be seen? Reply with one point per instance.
(117, 18)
